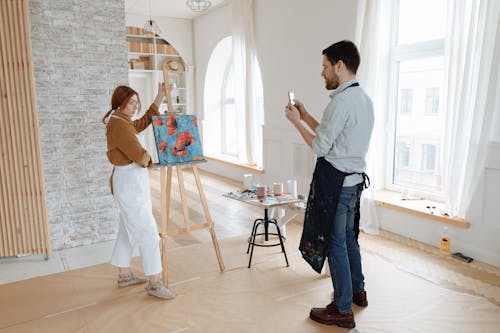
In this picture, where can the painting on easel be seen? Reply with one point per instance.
(177, 139)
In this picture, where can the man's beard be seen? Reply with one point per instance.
(333, 83)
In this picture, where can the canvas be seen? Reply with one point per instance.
(177, 139)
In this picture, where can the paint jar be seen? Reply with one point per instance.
(261, 191)
(278, 189)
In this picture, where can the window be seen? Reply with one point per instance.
(417, 66)
(432, 100)
(222, 120)
(406, 101)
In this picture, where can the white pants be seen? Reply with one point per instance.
(137, 226)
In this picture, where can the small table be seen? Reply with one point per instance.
(266, 203)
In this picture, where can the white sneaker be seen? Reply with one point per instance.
(128, 279)
(157, 289)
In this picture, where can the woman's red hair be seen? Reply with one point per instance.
(119, 99)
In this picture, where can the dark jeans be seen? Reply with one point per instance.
(344, 257)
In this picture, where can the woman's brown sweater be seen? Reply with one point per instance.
(123, 145)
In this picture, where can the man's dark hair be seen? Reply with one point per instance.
(346, 51)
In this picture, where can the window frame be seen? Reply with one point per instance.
(397, 54)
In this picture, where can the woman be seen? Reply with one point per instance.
(130, 188)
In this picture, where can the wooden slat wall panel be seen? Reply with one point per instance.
(23, 210)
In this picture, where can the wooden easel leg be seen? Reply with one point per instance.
(166, 186)
(208, 217)
(185, 211)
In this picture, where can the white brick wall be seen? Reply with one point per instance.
(80, 55)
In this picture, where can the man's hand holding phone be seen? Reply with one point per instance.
(298, 104)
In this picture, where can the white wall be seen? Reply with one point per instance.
(290, 35)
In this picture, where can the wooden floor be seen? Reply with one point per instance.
(411, 286)
(233, 218)
(268, 297)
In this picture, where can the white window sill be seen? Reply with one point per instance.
(234, 162)
(418, 207)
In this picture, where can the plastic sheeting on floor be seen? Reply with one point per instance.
(269, 297)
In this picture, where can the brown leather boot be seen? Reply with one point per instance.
(359, 298)
(331, 316)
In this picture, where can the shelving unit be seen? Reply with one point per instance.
(146, 55)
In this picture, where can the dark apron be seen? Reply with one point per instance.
(321, 207)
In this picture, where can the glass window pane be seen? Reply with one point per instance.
(418, 136)
(229, 117)
(421, 20)
(428, 157)
(432, 100)
(403, 153)
(230, 138)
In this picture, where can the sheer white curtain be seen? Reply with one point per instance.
(247, 94)
(372, 39)
(471, 48)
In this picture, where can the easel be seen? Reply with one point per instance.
(166, 188)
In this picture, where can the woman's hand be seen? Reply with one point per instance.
(160, 94)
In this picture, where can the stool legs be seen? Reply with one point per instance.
(252, 235)
(252, 244)
(281, 242)
(251, 240)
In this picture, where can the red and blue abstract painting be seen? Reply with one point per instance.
(177, 139)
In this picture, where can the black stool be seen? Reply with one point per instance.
(265, 221)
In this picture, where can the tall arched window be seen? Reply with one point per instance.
(229, 120)
(222, 137)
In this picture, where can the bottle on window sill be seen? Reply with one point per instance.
(444, 244)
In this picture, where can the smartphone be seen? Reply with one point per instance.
(291, 97)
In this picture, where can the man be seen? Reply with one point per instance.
(340, 140)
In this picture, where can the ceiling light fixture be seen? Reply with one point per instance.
(151, 25)
(198, 6)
